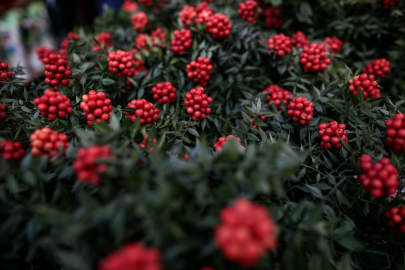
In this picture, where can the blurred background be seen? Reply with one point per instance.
(26, 25)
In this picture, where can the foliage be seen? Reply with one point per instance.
(325, 219)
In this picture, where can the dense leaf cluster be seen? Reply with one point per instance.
(325, 219)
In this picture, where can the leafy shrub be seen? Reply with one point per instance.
(167, 189)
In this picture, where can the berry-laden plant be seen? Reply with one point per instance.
(87, 166)
(378, 68)
(164, 92)
(299, 40)
(272, 16)
(396, 219)
(276, 94)
(199, 71)
(43, 52)
(314, 58)
(333, 44)
(132, 256)
(219, 145)
(182, 41)
(10, 150)
(301, 110)
(57, 70)
(331, 134)
(396, 133)
(53, 105)
(48, 142)
(367, 85)
(197, 103)
(244, 240)
(129, 165)
(379, 178)
(96, 106)
(280, 43)
(249, 11)
(144, 110)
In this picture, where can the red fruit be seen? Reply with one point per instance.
(379, 67)
(299, 40)
(199, 70)
(164, 92)
(132, 256)
(389, 3)
(143, 109)
(182, 41)
(53, 105)
(193, 100)
(217, 25)
(367, 85)
(187, 14)
(96, 107)
(125, 64)
(280, 44)
(249, 11)
(396, 133)
(276, 94)
(54, 63)
(333, 44)
(139, 20)
(64, 45)
(246, 232)
(86, 166)
(383, 175)
(45, 141)
(10, 150)
(273, 17)
(103, 39)
(314, 58)
(43, 52)
(332, 132)
(129, 6)
(218, 146)
(301, 110)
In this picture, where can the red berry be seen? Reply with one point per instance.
(249, 11)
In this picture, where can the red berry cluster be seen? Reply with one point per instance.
(219, 145)
(187, 14)
(367, 85)
(122, 63)
(86, 166)
(11, 150)
(389, 3)
(249, 11)
(53, 105)
(47, 141)
(43, 52)
(379, 178)
(65, 43)
(204, 12)
(96, 107)
(164, 92)
(272, 16)
(102, 38)
(129, 6)
(246, 232)
(132, 256)
(299, 40)
(182, 41)
(197, 103)
(143, 144)
(139, 20)
(396, 133)
(314, 58)
(280, 43)
(143, 109)
(276, 94)
(4, 72)
(3, 114)
(333, 44)
(158, 35)
(199, 70)
(218, 26)
(396, 219)
(253, 125)
(301, 110)
(379, 67)
(141, 41)
(331, 134)
(56, 70)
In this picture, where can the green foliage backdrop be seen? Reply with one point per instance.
(325, 219)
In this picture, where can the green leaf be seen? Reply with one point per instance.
(107, 81)
(193, 132)
(342, 198)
